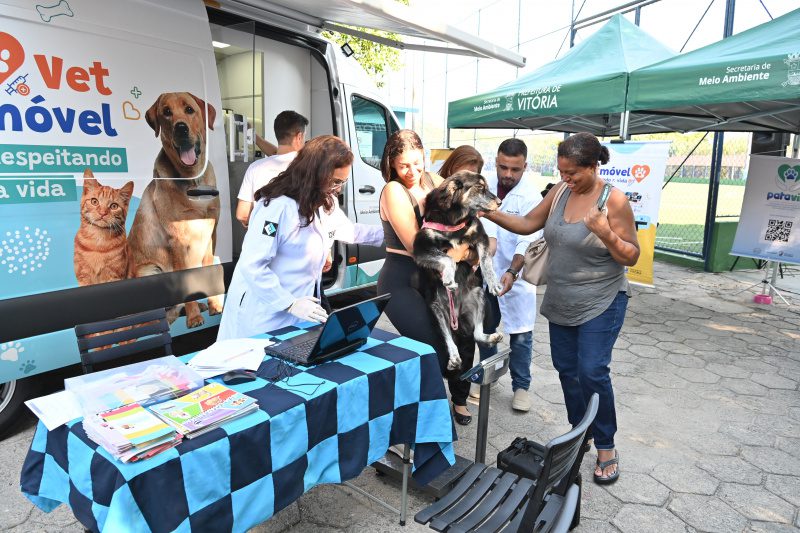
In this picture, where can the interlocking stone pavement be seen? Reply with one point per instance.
(708, 410)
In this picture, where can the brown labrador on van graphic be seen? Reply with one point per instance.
(175, 225)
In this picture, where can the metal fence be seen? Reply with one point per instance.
(683, 215)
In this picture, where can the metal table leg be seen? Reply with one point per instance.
(483, 423)
(404, 494)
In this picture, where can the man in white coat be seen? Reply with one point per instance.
(517, 303)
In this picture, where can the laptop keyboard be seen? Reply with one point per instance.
(298, 351)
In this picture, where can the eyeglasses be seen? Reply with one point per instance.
(338, 184)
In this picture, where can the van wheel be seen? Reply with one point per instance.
(12, 397)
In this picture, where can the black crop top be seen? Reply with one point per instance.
(390, 238)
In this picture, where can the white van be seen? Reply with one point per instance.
(135, 92)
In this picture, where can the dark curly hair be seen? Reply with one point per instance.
(584, 149)
(309, 178)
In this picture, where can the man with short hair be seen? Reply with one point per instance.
(290, 130)
(517, 301)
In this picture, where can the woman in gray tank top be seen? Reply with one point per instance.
(586, 294)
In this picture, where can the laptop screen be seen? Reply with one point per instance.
(351, 324)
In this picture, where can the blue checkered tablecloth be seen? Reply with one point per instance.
(323, 424)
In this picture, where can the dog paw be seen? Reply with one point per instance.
(494, 338)
(454, 362)
(202, 306)
(449, 276)
(488, 340)
(214, 306)
(194, 321)
(450, 285)
(494, 287)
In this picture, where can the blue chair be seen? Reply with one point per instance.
(487, 499)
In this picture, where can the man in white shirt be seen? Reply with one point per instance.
(290, 130)
(517, 305)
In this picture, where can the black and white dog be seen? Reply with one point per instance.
(453, 290)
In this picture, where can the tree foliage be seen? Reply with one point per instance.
(377, 59)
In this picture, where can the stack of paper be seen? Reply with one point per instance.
(55, 409)
(144, 383)
(130, 432)
(204, 409)
(229, 354)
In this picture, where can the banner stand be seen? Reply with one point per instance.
(765, 298)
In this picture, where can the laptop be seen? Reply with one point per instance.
(345, 331)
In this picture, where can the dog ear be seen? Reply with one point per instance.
(450, 191)
(209, 113)
(151, 116)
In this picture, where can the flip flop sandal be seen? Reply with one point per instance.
(607, 480)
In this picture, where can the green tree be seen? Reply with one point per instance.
(377, 59)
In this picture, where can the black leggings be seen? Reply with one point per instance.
(408, 312)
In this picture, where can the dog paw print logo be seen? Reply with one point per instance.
(24, 251)
(640, 172)
(788, 178)
(793, 69)
(12, 55)
(27, 366)
(10, 351)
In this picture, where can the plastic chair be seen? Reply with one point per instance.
(108, 340)
(487, 499)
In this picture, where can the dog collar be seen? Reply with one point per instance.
(443, 227)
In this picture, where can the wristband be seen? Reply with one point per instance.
(513, 273)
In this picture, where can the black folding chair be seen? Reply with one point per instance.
(108, 340)
(487, 499)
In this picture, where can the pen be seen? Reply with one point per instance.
(234, 356)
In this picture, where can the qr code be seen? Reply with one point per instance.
(778, 230)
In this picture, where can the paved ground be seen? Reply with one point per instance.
(709, 417)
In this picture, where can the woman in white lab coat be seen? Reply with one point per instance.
(292, 227)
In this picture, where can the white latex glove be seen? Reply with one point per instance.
(307, 308)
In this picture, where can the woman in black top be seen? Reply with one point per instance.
(401, 210)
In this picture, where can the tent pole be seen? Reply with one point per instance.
(716, 159)
(623, 125)
(713, 195)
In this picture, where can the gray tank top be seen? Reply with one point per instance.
(582, 277)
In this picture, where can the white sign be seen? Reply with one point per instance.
(770, 211)
(637, 169)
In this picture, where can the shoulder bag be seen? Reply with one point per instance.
(534, 269)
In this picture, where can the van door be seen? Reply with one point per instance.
(370, 124)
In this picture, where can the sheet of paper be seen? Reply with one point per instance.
(228, 355)
(55, 409)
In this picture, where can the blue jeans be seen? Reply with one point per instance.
(582, 355)
(521, 344)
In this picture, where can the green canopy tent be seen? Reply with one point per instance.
(583, 91)
(747, 82)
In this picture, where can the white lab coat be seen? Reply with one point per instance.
(281, 261)
(517, 306)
